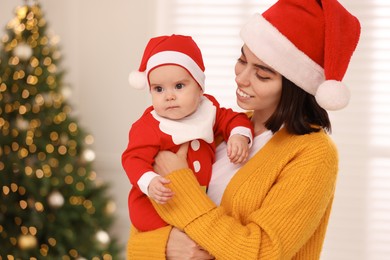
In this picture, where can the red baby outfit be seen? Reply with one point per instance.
(152, 133)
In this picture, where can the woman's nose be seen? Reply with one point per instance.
(242, 78)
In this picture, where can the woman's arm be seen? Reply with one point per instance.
(148, 245)
(164, 243)
(293, 213)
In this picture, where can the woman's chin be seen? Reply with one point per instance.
(242, 104)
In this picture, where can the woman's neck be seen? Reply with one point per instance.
(258, 120)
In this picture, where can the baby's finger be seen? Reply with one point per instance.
(163, 193)
(235, 154)
(160, 192)
(163, 189)
(163, 199)
(243, 157)
(229, 149)
(240, 159)
(164, 180)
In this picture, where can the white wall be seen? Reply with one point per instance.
(101, 42)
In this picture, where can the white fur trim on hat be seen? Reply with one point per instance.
(273, 48)
(137, 79)
(332, 95)
(178, 58)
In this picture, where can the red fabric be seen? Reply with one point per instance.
(174, 42)
(302, 22)
(324, 30)
(342, 32)
(146, 140)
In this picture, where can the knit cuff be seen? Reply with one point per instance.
(188, 203)
(148, 245)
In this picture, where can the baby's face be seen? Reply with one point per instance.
(175, 93)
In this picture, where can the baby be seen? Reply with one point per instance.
(172, 67)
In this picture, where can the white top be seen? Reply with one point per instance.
(224, 170)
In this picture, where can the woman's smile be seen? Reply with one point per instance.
(242, 94)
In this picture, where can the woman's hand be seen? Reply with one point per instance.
(180, 246)
(166, 162)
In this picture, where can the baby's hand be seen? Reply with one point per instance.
(238, 148)
(157, 190)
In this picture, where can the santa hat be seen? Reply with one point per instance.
(169, 50)
(310, 42)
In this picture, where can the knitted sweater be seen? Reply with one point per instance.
(277, 205)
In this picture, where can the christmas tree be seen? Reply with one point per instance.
(52, 204)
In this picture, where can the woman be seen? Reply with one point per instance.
(278, 204)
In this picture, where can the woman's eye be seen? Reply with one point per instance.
(179, 86)
(241, 61)
(261, 77)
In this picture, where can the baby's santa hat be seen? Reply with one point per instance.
(178, 50)
(310, 42)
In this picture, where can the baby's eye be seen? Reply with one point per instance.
(158, 89)
(179, 86)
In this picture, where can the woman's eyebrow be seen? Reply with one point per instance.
(259, 66)
(265, 68)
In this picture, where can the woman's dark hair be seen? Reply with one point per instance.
(298, 111)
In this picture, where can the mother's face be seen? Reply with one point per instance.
(259, 87)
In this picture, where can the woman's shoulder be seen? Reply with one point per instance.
(319, 141)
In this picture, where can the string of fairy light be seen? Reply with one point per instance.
(34, 80)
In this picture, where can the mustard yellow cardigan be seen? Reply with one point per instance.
(277, 205)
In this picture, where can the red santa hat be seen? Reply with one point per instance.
(310, 42)
(169, 50)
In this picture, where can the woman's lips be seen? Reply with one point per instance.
(242, 94)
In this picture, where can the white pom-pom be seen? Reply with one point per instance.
(137, 79)
(332, 95)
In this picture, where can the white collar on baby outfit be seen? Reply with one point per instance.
(198, 125)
